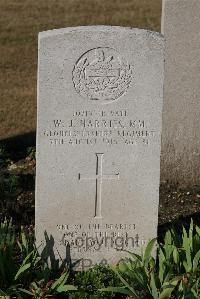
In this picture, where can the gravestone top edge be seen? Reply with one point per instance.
(97, 28)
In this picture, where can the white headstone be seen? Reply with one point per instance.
(100, 95)
(180, 159)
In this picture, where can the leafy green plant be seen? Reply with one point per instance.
(89, 282)
(176, 271)
(12, 252)
(25, 242)
(7, 253)
(25, 273)
(41, 289)
(181, 255)
(60, 286)
(140, 279)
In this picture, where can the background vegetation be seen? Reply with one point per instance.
(175, 274)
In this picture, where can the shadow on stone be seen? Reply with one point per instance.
(48, 254)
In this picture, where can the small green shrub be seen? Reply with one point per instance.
(89, 282)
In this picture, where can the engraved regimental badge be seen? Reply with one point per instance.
(101, 74)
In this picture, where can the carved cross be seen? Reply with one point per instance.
(99, 178)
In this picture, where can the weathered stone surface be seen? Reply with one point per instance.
(180, 159)
(100, 95)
